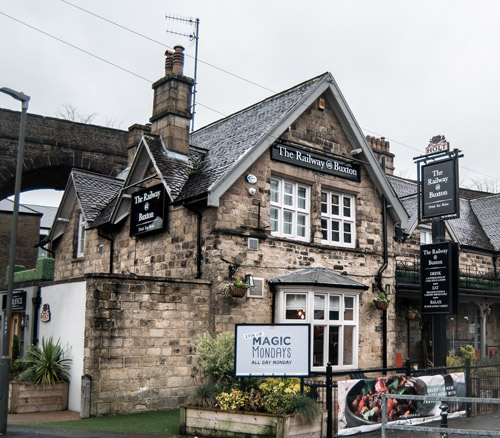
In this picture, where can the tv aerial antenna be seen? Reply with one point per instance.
(193, 36)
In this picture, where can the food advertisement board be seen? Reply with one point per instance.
(360, 401)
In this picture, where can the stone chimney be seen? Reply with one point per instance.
(172, 104)
(135, 132)
(381, 148)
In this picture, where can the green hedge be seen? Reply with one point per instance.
(44, 271)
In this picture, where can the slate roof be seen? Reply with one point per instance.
(8, 206)
(318, 276)
(468, 229)
(229, 139)
(487, 211)
(479, 222)
(95, 193)
(174, 172)
(403, 187)
(48, 214)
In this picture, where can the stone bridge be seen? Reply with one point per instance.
(53, 147)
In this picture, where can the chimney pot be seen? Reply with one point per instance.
(169, 62)
(178, 60)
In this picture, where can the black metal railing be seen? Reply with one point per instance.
(481, 381)
(470, 277)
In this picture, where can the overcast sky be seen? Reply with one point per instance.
(408, 70)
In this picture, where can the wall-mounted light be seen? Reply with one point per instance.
(388, 289)
(321, 103)
(249, 280)
(24, 320)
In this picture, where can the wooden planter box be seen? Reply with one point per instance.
(206, 422)
(28, 397)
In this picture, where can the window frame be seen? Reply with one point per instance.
(80, 237)
(282, 208)
(340, 218)
(315, 321)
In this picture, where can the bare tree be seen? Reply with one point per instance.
(485, 185)
(70, 112)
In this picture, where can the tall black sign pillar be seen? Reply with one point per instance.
(438, 199)
(439, 347)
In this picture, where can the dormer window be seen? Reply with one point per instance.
(80, 241)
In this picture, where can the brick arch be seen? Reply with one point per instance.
(53, 147)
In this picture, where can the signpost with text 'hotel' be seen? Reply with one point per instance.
(438, 199)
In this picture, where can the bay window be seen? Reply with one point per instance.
(338, 219)
(290, 209)
(333, 315)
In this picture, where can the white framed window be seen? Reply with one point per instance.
(425, 236)
(80, 242)
(290, 209)
(333, 315)
(338, 219)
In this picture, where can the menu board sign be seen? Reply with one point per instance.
(439, 278)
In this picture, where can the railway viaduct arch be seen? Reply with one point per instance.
(53, 147)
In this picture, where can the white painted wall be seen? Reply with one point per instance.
(67, 323)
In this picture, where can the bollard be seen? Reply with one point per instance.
(85, 398)
(444, 418)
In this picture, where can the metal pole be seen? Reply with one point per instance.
(439, 347)
(5, 359)
(329, 401)
(197, 24)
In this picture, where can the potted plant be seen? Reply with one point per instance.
(410, 312)
(236, 288)
(271, 407)
(44, 375)
(382, 302)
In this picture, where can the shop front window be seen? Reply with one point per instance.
(333, 316)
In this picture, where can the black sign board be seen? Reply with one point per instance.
(313, 161)
(18, 301)
(439, 278)
(440, 195)
(148, 210)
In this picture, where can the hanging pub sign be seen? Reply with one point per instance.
(148, 210)
(313, 161)
(440, 195)
(277, 350)
(439, 278)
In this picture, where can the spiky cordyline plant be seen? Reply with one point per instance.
(46, 366)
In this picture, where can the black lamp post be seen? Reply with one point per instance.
(5, 359)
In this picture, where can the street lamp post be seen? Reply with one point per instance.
(5, 359)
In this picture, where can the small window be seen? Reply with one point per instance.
(425, 236)
(80, 243)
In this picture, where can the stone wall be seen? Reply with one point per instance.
(53, 147)
(139, 341)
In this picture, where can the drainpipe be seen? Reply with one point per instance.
(111, 249)
(199, 255)
(36, 301)
(379, 280)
